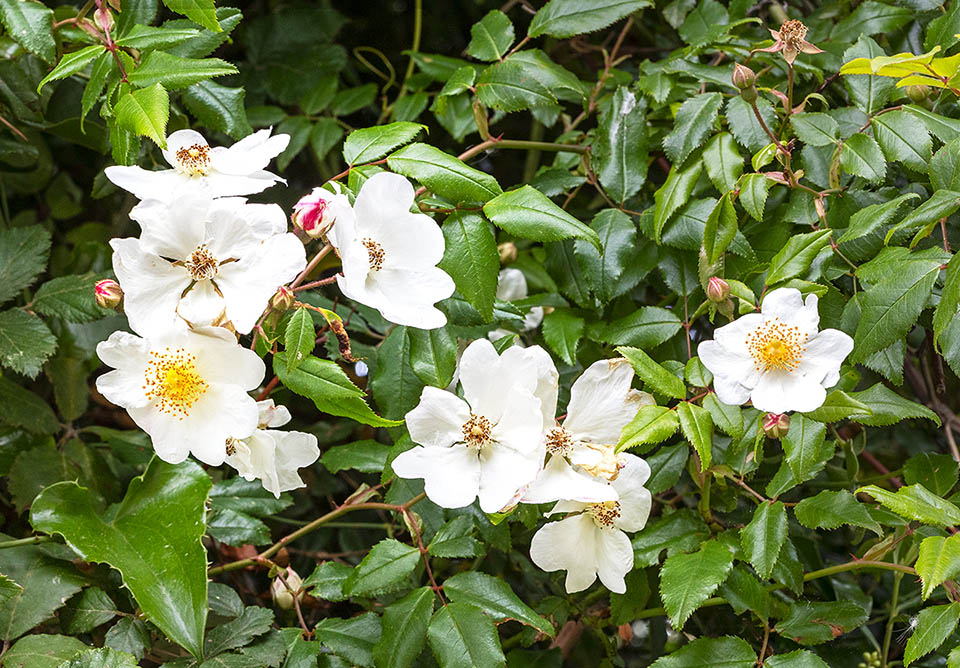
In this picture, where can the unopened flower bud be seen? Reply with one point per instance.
(284, 585)
(104, 19)
(918, 93)
(717, 289)
(283, 299)
(313, 213)
(508, 252)
(743, 77)
(108, 293)
(776, 425)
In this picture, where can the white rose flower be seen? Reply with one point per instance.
(489, 443)
(776, 358)
(273, 456)
(511, 286)
(227, 252)
(582, 450)
(592, 542)
(390, 255)
(187, 388)
(215, 172)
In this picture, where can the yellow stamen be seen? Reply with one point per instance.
(775, 345)
(172, 383)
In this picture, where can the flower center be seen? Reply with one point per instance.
(375, 253)
(171, 381)
(476, 431)
(202, 265)
(775, 345)
(604, 514)
(194, 160)
(606, 465)
(231, 446)
(559, 442)
(792, 33)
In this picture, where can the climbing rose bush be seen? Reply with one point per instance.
(536, 334)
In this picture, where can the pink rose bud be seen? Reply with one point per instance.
(104, 19)
(283, 299)
(313, 213)
(107, 293)
(717, 289)
(776, 425)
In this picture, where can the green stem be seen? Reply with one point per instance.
(888, 634)
(20, 542)
(417, 30)
(521, 144)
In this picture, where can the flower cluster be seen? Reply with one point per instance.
(501, 443)
(203, 269)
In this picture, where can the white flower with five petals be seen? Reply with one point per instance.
(581, 451)
(187, 388)
(776, 358)
(211, 171)
(592, 541)
(231, 255)
(390, 255)
(270, 455)
(488, 444)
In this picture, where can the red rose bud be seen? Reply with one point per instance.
(313, 213)
(717, 289)
(107, 293)
(283, 299)
(776, 425)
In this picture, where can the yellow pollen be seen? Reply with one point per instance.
(375, 253)
(604, 514)
(476, 431)
(774, 345)
(202, 264)
(608, 464)
(172, 383)
(194, 160)
(559, 442)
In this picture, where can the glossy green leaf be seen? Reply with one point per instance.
(23, 255)
(683, 594)
(30, 23)
(218, 107)
(71, 63)
(724, 652)
(816, 129)
(934, 625)
(673, 194)
(654, 376)
(198, 11)
(562, 330)
(443, 174)
(692, 126)
(495, 597)
(299, 338)
(861, 156)
(369, 144)
(764, 536)
(462, 636)
(651, 425)
(470, 257)
(796, 256)
(25, 342)
(384, 569)
(938, 561)
(491, 36)
(620, 148)
(696, 424)
(720, 229)
(528, 213)
(566, 18)
(873, 217)
(404, 630)
(753, 194)
(723, 162)
(145, 112)
(916, 502)
(815, 623)
(43, 651)
(829, 510)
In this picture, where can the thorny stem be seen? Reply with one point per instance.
(313, 526)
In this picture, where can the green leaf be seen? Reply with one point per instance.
(744, 125)
(369, 144)
(801, 445)
(673, 194)
(395, 386)
(443, 174)
(903, 139)
(692, 126)
(495, 597)
(31, 25)
(916, 502)
(528, 213)
(697, 427)
(829, 510)
(654, 376)
(936, 472)
(325, 383)
(934, 625)
(795, 257)
(838, 406)
(801, 658)
(764, 536)
(324, 136)
(327, 580)
(365, 456)
(198, 11)
(23, 255)
(938, 561)
(491, 36)
(43, 651)
(384, 569)
(471, 259)
(218, 107)
(104, 657)
(149, 37)
(353, 639)
(562, 330)
(238, 632)
(725, 652)
(455, 540)
(25, 342)
(163, 507)
(723, 162)
(620, 147)
(513, 85)
(720, 229)
(861, 156)
(873, 217)
(71, 63)
(130, 635)
(683, 594)
(462, 636)
(173, 72)
(728, 419)
(815, 129)
(815, 623)
(433, 355)
(22, 408)
(887, 407)
(944, 129)
(404, 630)
(95, 84)
(940, 205)
(87, 610)
(651, 425)
(647, 327)
(615, 270)
(70, 298)
(145, 112)
(753, 194)
(566, 18)
(299, 338)
(949, 299)
(868, 92)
